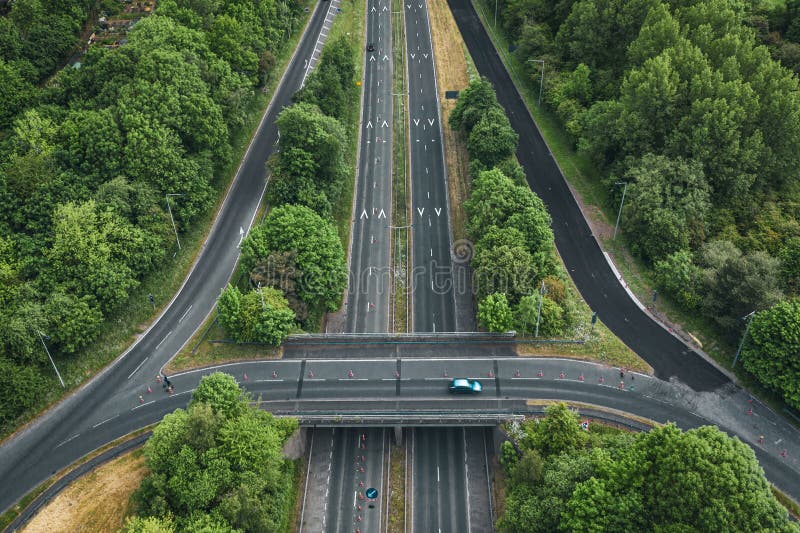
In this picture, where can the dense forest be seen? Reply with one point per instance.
(680, 100)
(569, 475)
(88, 156)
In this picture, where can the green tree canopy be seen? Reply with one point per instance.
(494, 313)
(772, 348)
(317, 248)
(261, 315)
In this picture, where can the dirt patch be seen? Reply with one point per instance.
(452, 75)
(98, 502)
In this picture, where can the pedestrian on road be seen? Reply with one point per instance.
(621, 374)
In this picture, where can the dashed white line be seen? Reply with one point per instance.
(135, 370)
(185, 313)
(104, 421)
(69, 439)
(143, 404)
(162, 340)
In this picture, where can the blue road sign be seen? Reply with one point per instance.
(371, 493)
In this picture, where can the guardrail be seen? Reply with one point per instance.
(406, 419)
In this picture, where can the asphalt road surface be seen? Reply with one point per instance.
(370, 273)
(578, 248)
(418, 388)
(49, 443)
(433, 296)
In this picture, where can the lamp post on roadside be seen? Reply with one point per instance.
(263, 305)
(541, 78)
(169, 208)
(41, 338)
(542, 292)
(749, 318)
(619, 214)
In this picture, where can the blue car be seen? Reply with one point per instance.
(465, 386)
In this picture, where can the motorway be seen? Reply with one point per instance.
(579, 249)
(34, 453)
(368, 298)
(433, 294)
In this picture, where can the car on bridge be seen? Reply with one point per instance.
(465, 386)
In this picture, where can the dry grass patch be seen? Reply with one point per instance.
(452, 75)
(98, 502)
(397, 496)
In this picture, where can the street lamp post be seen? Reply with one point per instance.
(541, 78)
(263, 305)
(542, 292)
(619, 214)
(749, 318)
(41, 338)
(495, 15)
(169, 208)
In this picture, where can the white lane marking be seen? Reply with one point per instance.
(138, 367)
(353, 379)
(263, 380)
(185, 313)
(437, 473)
(143, 404)
(69, 439)
(104, 421)
(162, 340)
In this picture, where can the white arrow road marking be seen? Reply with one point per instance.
(385, 8)
(372, 58)
(385, 57)
(241, 236)
(426, 56)
(426, 170)
(421, 210)
(382, 214)
(416, 122)
(385, 124)
(431, 121)
(438, 211)
(363, 215)
(373, 9)
(369, 123)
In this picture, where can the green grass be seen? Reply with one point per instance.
(131, 320)
(400, 287)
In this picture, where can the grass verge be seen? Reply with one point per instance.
(397, 495)
(124, 326)
(97, 502)
(8, 516)
(400, 278)
(452, 75)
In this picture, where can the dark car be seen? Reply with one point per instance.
(465, 386)
(370, 47)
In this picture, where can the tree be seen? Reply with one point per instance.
(74, 322)
(559, 431)
(700, 479)
(733, 284)
(222, 393)
(317, 248)
(150, 524)
(667, 205)
(218, 466)
(20, 388)
(472, 104)
(678, 276)
(506, 269)
(770, 353)
(494, 313)
(83, 260)
(261, 315)
(492, 139)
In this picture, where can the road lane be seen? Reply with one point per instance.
(433, 300)
(370, 274)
